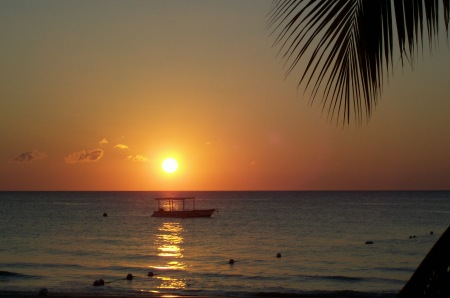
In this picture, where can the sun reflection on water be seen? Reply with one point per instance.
(168, 242)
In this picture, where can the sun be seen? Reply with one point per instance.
(169, 165)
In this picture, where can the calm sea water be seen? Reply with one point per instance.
(62, 242)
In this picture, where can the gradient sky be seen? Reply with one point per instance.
(95, 94)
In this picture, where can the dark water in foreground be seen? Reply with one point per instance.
(61, 241)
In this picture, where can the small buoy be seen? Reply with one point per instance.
(431, 233)
(231, 262)
(278, 255)
(105, 214)
(150, 274)
(43, 292)
(369, 242)
(98, 282)
(129, 276)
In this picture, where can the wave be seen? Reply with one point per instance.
(200, 294)
(286, 294)
(349, 279)
(328, 294)
(342, 278)
(8, 275)
(41, 265)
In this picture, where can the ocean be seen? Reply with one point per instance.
(62, 242)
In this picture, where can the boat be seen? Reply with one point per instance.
(177, 208)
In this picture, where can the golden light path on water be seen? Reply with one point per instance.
(168, 242)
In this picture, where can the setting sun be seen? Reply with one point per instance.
(170, 165)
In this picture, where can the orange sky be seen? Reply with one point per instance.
(94, 95)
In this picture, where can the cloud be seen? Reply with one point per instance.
(104, 141)
(30, 156)
(85, 156)
(121, 146)
(137, 158)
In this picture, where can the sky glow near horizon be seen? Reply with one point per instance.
(95, 95)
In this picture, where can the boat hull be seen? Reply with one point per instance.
(184, 214)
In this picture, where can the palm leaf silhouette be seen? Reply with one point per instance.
(349, 46)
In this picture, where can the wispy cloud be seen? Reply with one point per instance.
(138, 158)
(85, 156)
(30, 156)
(104, 141)
(121, 146)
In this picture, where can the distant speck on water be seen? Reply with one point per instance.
(231, 262)
(105, 214)
(278, 255)
(369, 242)
(99, 282)
(43, 292)
(129, 276)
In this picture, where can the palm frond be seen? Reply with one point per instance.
(347, 46)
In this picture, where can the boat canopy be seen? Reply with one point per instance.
(171, 203)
